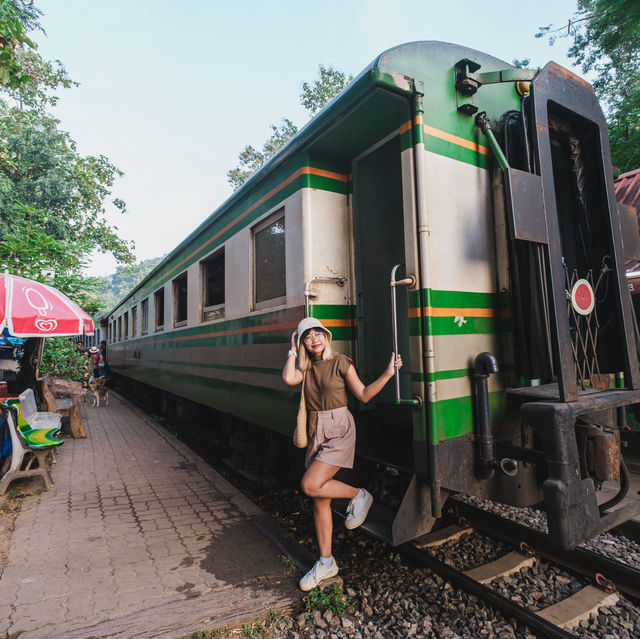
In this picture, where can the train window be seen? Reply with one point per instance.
(212, 274)
(158, 303)
(119, 328)
(126, 325)
(269, 283)
(180, 300)
(134, 321)
(144, 308)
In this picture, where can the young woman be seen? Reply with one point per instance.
(332, 434)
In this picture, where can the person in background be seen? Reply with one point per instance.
(331, 431)
(97, 362)
(103, 353)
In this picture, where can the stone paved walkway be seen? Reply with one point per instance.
(139, 538)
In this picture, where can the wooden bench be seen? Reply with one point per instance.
(52, 388)
(29, 446)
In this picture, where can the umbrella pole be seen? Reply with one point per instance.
(39, 357)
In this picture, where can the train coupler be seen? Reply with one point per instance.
(573, 513)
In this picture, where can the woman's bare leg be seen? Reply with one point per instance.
(323, 520)
(319, 484)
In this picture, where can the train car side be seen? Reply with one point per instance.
(394, 187)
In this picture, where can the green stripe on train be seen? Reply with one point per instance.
(455, 417)
(253, 370)
(209, 334)
(437, 298)
(465, 299)
(455, 152)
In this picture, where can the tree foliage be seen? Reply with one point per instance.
(314, 97)
(26, 249)
(60, 359)
(52, 199)
(15, 19)
(606, 41)
(251, 159)
(112, 288)
(320, 92)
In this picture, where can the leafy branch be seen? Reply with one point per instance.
(314, 96)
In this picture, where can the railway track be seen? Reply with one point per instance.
(610, 578)
(291, 511)
(623, 576)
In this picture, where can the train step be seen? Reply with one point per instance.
(398, 460)
(378, 522)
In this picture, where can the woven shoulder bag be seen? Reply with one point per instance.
(300, 433)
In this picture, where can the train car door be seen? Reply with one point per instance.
(379, 245)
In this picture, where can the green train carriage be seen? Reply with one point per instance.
(396, 217)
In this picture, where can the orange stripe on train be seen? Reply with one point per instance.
(431, 311)
(263, 328)
(454, 139)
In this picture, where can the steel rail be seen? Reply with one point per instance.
(624, 577)
(468, 584)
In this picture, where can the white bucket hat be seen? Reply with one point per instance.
(311, 322)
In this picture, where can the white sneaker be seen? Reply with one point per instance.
(317, 574)
(358, 509)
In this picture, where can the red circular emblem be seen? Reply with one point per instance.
(582, 297)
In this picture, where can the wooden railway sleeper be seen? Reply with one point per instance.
(552, 621)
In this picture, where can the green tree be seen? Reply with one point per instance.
(15, 17)
(26, 249)
(52, 199)
(60, 359)
(606, 41)
(320, 92)
(251, 159)
(112, 288)
(314, 96)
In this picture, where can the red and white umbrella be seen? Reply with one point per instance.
(32, 309)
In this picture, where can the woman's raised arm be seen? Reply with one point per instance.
(291, 375)
(366, 393)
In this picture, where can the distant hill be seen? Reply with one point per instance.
(115, 286)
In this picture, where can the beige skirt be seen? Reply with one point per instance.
(332, 437)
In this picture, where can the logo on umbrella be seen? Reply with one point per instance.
(45, 305)
(42, 305)
(45, 325)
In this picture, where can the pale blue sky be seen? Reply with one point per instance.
(172, 91)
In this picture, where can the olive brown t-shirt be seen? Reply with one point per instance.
(325, 387)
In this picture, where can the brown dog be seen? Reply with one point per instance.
(98, 387)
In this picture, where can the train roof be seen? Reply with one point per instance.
(394, 70)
